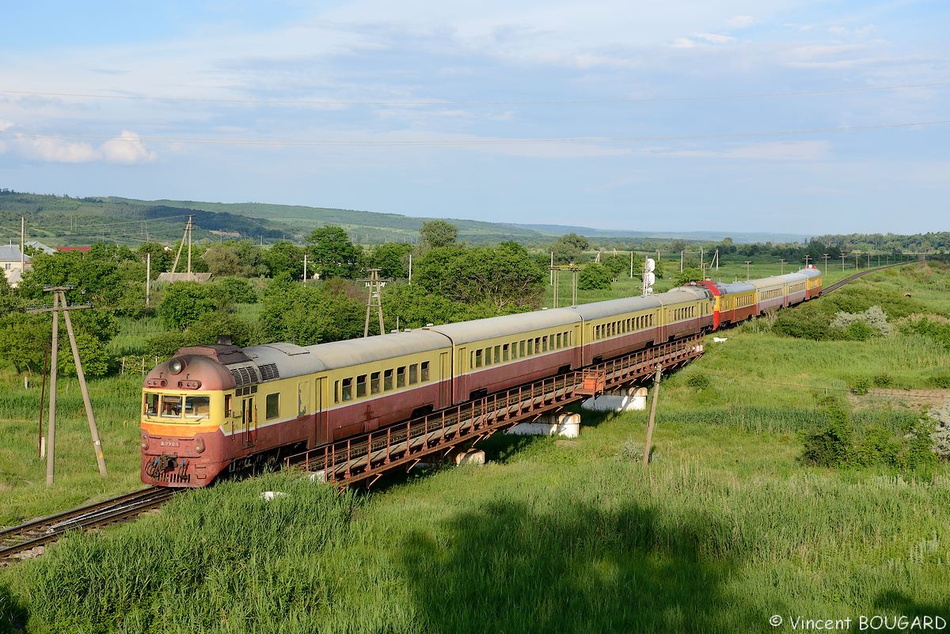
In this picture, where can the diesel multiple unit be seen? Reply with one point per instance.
(221, 408)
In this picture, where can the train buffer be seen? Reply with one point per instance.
(593, 382)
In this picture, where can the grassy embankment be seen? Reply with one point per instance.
(725, 530)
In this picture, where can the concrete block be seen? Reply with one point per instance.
(472, 456)
(565, 424)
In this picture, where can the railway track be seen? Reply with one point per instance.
(842, 282)
(17, 542)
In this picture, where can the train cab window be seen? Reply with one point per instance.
(197, 406)
(227, 405)
(387, 380)
(505, 352)
(374, 383)
(171, 406)
(477, 359)
(272, 406)
(151, 404)
(413, 373)
(401, 376)
(361, 386)
(347, 392)
(424, 367)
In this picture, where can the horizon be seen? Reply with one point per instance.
(787, 117)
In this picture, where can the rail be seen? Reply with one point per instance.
(368, 456)
(16, 540)
(842, 282)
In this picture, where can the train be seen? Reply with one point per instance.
(215, 409)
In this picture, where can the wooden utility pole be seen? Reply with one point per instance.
(652, 422)
(375, 298)
(60, 306)
(186, 237)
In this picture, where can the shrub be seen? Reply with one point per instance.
(833, 445)
(860, 386)
(594, 277)
(698, 380)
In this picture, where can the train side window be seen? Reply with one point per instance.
(272, 405)
(413, 373)
(387, 380)
(197, 406)
(544, 343)
(361, 386)
(336, 391)
(559, 339)
(506, 352)
(530, 343)
(347, 392)
(478, 359)
(151, 404)
(374, 383)
(497, 356)
(171, 406)
(425, 371)
(521, 348)
(401, 376)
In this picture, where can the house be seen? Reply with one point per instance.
(12, 263)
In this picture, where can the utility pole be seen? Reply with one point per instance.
(375, 298)
(842, 261)
(826, 256)
(574, 270)
(185, 238)
(652, 422)
(148, 278)
(782, 262)
(807, 257)
(748, 275)
(22, 244)
(305, 267)
(60, 306)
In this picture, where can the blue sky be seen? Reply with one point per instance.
(798, 116)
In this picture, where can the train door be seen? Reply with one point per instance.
(248, 422)
(321, 430)
(445, 379)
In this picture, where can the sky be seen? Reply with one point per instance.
(796, 116)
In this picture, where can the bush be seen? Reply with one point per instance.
(832, 446)
(860, 386)
(699, 381)
(594, 277)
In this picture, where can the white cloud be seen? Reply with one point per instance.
(715, 38)
(684, 42)
(780, 151)
(127, 148)
(5, 125)
(742, 22)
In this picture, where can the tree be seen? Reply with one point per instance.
(438, 233)
(569, 248)
(332, 253)
(594, 277)
(687, 276)
(506, 276)
(285, 257)
(309, 314)
(392, 259)
(184, 303)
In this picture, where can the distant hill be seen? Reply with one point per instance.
(63, 221)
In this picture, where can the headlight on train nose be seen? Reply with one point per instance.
(144, 441)
(200, 445)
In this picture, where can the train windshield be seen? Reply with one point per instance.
(176, 407)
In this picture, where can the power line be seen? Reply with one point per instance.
(503, 102)
(489, 142)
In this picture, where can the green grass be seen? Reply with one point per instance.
(725, 529)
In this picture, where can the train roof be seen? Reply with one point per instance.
(292, 360)
(682, 294)
(736, 287)
(612, 307)
(480, 329)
